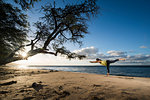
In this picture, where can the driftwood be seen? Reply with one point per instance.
(8, 83)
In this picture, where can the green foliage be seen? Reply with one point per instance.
(13, 32)
(57, 27)
(70, 55)
(62, 25)
(26, 4)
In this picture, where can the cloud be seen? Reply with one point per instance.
(93, 53)
(88, 51)
(117, 53)
(138, 57)
(143, 47)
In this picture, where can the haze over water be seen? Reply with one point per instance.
(134, 71)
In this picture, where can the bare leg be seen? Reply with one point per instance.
(107, 74)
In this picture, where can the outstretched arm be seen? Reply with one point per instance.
(94, 61)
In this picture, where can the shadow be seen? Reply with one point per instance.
(37, 86)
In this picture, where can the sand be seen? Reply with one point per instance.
(54, 85)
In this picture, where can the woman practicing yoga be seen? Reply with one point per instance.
(106, 63)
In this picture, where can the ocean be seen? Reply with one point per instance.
(133, 71)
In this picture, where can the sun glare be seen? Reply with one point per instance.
(24, 54)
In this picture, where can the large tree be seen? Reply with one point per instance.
(13, 32)
(26, 4)
(59, 26)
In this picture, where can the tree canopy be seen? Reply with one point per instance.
(13, 30)
(57, 27)
(26, 4)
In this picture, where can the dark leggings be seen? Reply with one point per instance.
(109, 62)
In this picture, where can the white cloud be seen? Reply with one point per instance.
(93, 53)
(117, 53)
(139, 57)
(87, 51)
(46, 59)
(143, 47)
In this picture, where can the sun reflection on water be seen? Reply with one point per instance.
(26, 67)
(23, 67)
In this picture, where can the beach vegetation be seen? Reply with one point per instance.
(58, 26)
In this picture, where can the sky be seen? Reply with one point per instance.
(120, 30)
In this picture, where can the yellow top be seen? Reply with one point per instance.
(104, 63)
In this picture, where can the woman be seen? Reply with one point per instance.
(106, 63)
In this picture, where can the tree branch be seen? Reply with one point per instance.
(50, 37)
(53, 14)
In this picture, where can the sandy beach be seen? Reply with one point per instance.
(33, 84)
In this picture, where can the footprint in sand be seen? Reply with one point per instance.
(8, 83)
(95, 85)
(37, 87)
(60, 88)
(126, 77)
(77, 87)
(62, 94)
(4, 92)
(124, 92)
(28, 98)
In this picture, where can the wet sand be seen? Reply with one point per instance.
(53, 85)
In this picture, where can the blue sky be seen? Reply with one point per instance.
(123, 25)
(121, 29)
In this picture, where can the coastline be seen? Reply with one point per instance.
(60, 85)
(131, 71)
